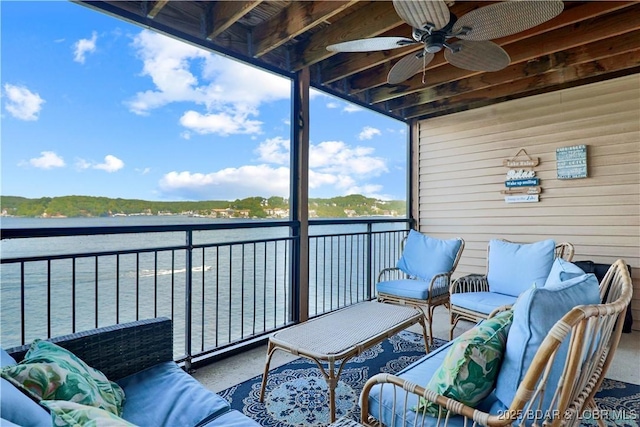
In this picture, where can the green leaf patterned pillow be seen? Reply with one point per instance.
(66, 413)
(470, 368)
(51, 372)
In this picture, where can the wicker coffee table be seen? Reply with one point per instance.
(340, 335)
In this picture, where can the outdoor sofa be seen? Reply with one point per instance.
(138, 356)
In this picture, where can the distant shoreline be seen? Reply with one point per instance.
(351, 206)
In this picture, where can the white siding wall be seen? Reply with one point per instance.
(461, 174)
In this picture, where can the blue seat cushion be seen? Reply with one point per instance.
(516, 267)
(166, 395)
(381, 398)
(481, 302)
(424, 257)
(534, 314)
(409, 288)
(232, 418)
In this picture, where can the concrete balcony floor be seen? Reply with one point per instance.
(231, 371)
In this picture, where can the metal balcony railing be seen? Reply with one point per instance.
(223, 284)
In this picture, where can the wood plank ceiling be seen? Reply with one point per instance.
(588, 42)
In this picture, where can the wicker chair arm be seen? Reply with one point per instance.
(440, 281)
(405, 387)
(118, 350)
(470, 283)
(499, 310)
(391, 273)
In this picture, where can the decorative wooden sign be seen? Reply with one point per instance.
(571, 162)
(522, 190)
(524, 198)
(521, 182)
(518, 161)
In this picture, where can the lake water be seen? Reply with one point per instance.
(238, 290)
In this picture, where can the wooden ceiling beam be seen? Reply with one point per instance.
(157, 7)
(582, 54)
(588, 31)
(617, 63)
(226, 13)
(369, 21)
(292, 21)
(377, 77)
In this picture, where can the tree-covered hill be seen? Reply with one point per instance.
(252, 207)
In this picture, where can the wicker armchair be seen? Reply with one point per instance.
(436, 292)
(479, 283)
(591, 334)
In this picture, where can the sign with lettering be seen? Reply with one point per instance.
(520, 190)
(571, 162)
(523, 198)
(521, 163)
(531, 182)
(522, 184)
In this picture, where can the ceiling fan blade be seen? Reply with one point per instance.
(477, 56)
(408, 66)
(368, 45)
(418, 13)
(506, 18)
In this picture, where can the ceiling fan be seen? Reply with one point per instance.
(433, 25)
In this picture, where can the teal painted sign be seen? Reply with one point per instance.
(530, 182)
(571, 162)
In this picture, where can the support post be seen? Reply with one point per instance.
(300, 192)
(413, 177)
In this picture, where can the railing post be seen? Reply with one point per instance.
(369, 259)
(187, 301)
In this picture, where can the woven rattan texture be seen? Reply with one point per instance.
(372, 318)
(118, 350)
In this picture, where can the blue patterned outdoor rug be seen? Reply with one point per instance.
(296, 393)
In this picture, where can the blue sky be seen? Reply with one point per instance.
(92, 105)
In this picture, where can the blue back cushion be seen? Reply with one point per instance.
(15, 407)
(562, 270)
(424, 257)
(516, 267)
(534, 314)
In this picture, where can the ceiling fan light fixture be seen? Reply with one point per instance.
(434, 47)
(434, 43)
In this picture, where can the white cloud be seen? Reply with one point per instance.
(143, 171)
(274, 150)
(337, 157)
(346, 106)
(229, 93)
(351, 108)
(47, 160)
(84, 46)
(111, 164)
(221, 123)
(230, 183)
(22, 103)
(82, 164)
(368, 132)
